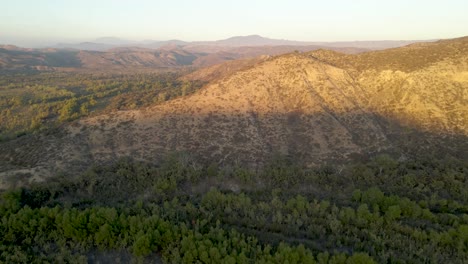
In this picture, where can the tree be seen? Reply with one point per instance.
(393, 212)
(142, 246)
(68, 109)
(360, 258)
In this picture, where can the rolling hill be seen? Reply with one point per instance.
(15, 59)
(315, 107)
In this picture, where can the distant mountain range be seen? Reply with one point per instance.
(111, 53)
(105, 43)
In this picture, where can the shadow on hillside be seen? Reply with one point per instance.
(20, 61)
(67, 59)
(244, 139)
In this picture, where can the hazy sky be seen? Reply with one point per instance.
(46, 21)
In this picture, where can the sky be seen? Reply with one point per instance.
(41, 22)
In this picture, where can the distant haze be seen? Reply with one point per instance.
(43, 23)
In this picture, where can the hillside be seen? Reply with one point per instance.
(15, 59)
(422, 85)
(38, 60)
(135, 58)
(314, 107)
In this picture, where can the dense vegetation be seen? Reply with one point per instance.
(31, 102)
(383, 210)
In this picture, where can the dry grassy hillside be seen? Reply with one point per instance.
(223, 70)
(314, 107)
(422, 85)
(271, 107)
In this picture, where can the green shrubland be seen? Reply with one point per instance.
(379, 211)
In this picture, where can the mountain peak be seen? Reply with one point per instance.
(247, 37)
(113, 41)
(254, 40)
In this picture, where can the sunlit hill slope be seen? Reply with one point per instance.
(314, 107)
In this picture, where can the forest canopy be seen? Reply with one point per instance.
(380, 211)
